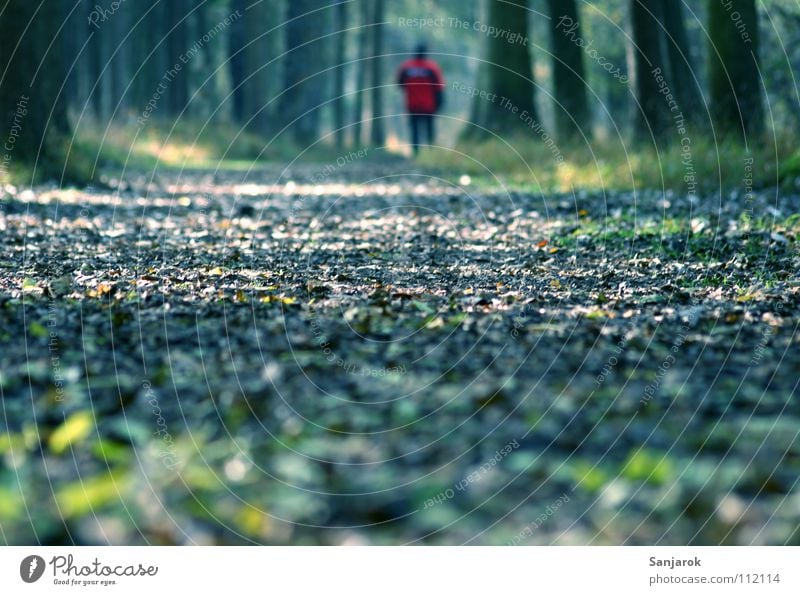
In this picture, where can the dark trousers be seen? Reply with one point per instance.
(421, 124)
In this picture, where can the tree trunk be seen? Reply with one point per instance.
(339, 75)
(256, 75)
(99, 48)
(120, 64)
(236, 62)
(146, 63)
(573, 120)
(736, 102)
(71, 44)
(304, 82)
(178, 43)
(200, 91)
(478, 107)
(508, 73)
(361, 73)
(32, 112)
(378, 136)
(652, 115)
(682, 75)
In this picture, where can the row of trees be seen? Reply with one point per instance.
(290, 65)
(261, 64)
(665, 83)
(267, 66)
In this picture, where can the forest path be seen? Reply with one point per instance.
(366, 353)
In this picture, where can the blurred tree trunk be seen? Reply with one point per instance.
(151, 58)
(478, 107)
(82, 71)
(178, 43)
(361, 71)
(99, 48)
(339, 75)
(304, 83)
(34, 115)
(682, 75)
(72, 15)
(120, 25)
(652, 116)
(508, 73)
(573, 119)
(261, 68)
(378, 136)
(256, 76)
(236, 61)
(736, 101)
(200, 92)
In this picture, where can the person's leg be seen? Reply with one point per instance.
(431, 129)
(414, 122)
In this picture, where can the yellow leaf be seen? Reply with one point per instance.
(198, 477)
(269, 299)
(82, 497)
(38, 330)
(9, 442)
(30, 286)
(74, 429)
(599, 314)
(99, 291)
(434, 323)
(216, 271)
(252, 521)
(11, 504)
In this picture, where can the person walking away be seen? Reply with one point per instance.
(423, 84)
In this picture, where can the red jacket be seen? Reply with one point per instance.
(423, 83)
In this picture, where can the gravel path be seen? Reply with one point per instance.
(368, 354)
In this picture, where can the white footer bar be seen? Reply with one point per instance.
(399, 570)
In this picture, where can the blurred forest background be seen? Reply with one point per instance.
(187, 82)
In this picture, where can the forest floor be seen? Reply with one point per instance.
(371, 352)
